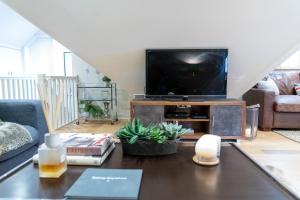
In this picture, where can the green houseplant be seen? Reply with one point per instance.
(106, 80)
(92, 109)
(160, 139)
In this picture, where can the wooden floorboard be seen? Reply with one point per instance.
(92, 127)
(275, 153)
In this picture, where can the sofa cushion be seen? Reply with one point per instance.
(287, 103)
(285, 81)
(33, 132)
(35, 139)
(268, 84)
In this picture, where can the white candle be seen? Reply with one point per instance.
(206, 154)
(206, 149)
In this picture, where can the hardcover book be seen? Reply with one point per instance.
(84, 160)
(86, 144)
(106, 184)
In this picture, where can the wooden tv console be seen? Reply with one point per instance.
(226, 118)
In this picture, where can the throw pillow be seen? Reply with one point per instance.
(285, 81)
(297, 88)
(268, 84)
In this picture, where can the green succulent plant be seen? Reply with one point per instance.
(173, 131)
(135, 130)
(158, 135)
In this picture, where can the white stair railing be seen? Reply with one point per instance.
(58, 87)
(18, 88)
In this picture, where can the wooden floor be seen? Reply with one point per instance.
(277, 154)
(92, 127)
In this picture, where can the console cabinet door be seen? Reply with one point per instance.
(149, 114)
(226, 120)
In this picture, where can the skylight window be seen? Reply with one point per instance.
(292, 63)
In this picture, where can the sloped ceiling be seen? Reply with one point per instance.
(112, 35)
(15, 31)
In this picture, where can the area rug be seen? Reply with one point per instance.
(273, 170)
(290, 134)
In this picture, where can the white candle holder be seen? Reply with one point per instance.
(207, 150)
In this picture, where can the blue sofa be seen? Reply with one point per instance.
(30, 114)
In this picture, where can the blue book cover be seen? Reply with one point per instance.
(106, 184)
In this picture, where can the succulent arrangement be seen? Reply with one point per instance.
(157, 133)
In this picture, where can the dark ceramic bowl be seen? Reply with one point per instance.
(150, 148)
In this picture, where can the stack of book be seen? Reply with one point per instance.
(86, 148)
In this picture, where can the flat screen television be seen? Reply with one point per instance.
(186, 73)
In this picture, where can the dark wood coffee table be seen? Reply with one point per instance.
(166, 177)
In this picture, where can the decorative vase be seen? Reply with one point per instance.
(52, 157)
(150, 148)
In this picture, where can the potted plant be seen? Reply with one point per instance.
(106, 80)
(92, 109)
(151, 140)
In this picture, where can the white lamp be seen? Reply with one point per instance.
(207, 150)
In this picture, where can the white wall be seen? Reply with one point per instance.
(293, 62)
(15, 31)
(38, 57)
(43, 55)
(10, 62)
(58, 58)
(88, 74)
(112, 35)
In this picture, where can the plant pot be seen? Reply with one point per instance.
(149, 148)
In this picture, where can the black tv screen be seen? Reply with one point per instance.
(186, 72)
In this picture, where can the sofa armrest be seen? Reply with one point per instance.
(265, 98)
(25, 112)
